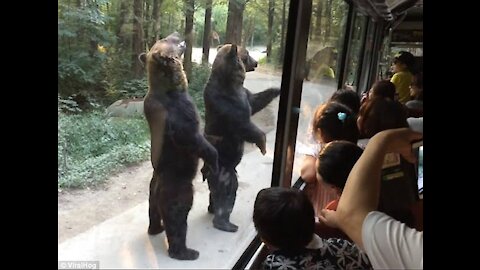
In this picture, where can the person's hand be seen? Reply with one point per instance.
(329, 218)
(398, 141)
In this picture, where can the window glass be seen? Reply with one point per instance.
(325, 44)
(104, 167)
(355, 49)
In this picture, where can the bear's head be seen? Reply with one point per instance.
(249, 63)
(164, 63)
(229, 65)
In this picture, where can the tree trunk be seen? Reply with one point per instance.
(328, 16)
(147, 20)
(122, 20)
(282, 37)
(137, 44)
(318, 21)
(248, 33)
(235, 21)
(271, 13)
(169, 23)
(207, 32)
(187, 59)
(156, 21)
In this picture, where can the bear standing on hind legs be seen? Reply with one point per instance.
(228, 107)
(176, 144)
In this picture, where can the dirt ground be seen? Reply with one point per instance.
(79, 210)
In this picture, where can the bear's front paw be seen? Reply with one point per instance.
(262, 145)
(276, 91)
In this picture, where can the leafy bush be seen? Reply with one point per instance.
(200, 75)
(91, 146)
(81, 34)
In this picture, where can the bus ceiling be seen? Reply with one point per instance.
(387, 10)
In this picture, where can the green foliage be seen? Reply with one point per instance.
(68, 105)
(135, 88)
(81, 30)
(200, 75)
(91, 146)
(219, 19)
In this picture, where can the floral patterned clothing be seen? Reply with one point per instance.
(331, 254)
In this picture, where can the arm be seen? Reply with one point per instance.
(259, 100)
(156, 116)
(308, 172)
(361, 193)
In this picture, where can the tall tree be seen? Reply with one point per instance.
(138, 43)
(122, 20)
(282, 37)
(329, 19)
(235, 21)
(147, 21)
(318, 21)
(271, 13)
(187, 59)
(207, 32)
(156, 20)
(249, 31)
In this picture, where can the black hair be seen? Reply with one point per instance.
(347, 97)
(336, 122)
(383, 88)
(284, 217)
(406, 58)
(336, 160)
(378, 114)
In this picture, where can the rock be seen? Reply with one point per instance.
(126, 108)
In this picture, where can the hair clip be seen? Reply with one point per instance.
(342, 116)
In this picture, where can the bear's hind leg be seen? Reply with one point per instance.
(175, 212)
(155, 226)
(225, 195)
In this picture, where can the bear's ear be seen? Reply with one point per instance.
(219, 47)
(143, 58)
(233, 51)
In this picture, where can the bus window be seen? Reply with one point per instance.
(355, 50)
(325, 43)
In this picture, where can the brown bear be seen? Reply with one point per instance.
(228, 107)
(176, 144)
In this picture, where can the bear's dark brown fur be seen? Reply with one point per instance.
(228, 107)
(177, 145)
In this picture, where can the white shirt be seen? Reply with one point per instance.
(416, 124)
(391, 244)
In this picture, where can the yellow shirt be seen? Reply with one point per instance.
(402, 81)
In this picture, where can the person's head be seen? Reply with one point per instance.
(416, 88)
(378, 114)
(347, 97)
(383, 88)
(284, 218)
(335, 121)
(403, 61)
(335, 161)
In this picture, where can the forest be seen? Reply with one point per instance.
(99, 40)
